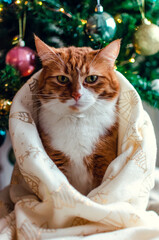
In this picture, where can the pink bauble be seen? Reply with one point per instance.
(23, 59)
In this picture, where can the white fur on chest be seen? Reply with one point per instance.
(76, 135)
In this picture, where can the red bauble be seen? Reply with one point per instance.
(23, 59)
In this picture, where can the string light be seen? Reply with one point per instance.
(17, 2)
(132, 60)
(119, 20)
(62, 10)
(40, 3)
(1, 8)
(83, 21)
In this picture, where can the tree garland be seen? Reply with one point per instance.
(10, 83)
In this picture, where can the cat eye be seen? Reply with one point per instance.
(62, 79)
(91, 79)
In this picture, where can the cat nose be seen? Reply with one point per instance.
(76, 95)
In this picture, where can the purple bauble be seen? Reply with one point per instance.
(23, 59)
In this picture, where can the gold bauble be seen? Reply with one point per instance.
(4, 106)
(146, 38)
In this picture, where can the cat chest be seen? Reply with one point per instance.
(76, 138)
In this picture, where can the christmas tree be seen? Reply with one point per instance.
(78, 23)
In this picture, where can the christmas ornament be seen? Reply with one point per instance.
(4, 106)
(155, 85)
(23, 59)
(146, 38)
(2, 137)
(101, 25)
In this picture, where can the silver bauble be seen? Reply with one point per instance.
(101, 25)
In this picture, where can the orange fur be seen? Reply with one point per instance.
(104, 152)
(58, 157)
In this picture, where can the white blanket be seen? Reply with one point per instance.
(41, 204)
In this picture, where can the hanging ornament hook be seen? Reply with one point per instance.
(141, 4)
(22, 26)
(99, 7)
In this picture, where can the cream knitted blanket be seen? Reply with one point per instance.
(41, 204)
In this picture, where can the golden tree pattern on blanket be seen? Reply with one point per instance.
(101, 197)
(132, 138)
(117, 220)
(30, 203)
(31, 152)
(140, 160)
(127, 103)
(32, 181)
(9, 229)
(28, 231)
(23, 116)
(63, 198)
(146, 185)
(33, 84)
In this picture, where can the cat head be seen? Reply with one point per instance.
(73, 79)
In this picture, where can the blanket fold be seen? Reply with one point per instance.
(40, 203)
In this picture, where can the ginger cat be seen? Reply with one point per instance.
(78, 92)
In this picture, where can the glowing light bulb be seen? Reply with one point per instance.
(132, 60)
(40, 3)
(62, 10)
(119, 20)
(18, 2)
(83, 21)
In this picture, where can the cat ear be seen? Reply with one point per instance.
(110, 52)
(44, 51)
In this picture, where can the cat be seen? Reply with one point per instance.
(78, 92)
